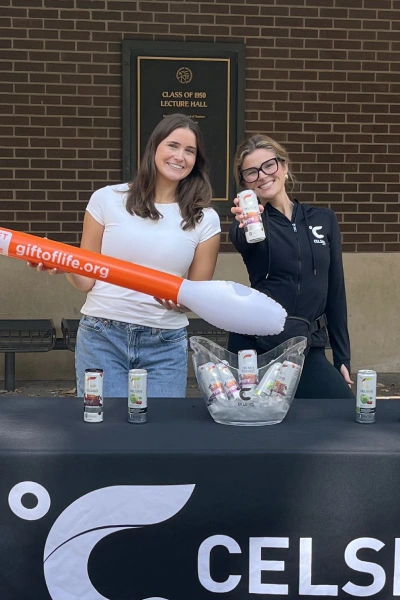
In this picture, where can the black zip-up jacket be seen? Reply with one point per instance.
(299, 265)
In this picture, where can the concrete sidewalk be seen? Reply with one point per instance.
(388, 386)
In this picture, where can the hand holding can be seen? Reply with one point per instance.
(252, 221)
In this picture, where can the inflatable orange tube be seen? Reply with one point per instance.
(225, 304)
(91, 264)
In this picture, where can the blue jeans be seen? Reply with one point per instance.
(117, 347)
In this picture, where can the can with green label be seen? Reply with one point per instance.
(366, 396)
(137, 396)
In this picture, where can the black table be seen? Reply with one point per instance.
(178, 508)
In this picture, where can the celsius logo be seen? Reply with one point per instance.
(106, 510)
(317, 235)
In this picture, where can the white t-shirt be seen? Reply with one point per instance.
(161, 245)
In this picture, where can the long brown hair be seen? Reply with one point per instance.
(192, 194)
(254, 143)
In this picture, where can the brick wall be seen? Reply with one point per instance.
(322, 77)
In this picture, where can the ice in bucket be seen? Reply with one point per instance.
(279, 372)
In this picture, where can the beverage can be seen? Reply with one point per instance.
(137, 396)
(248, 370)
(211, 383)
(93, 396)
(253, 225)
(267, 383)
(286, 379)
(366, 396)
(228, 379)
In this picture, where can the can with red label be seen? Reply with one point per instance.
(252, 221)
(248, 370)
(93, 396)
(137, 396)
(286, 380)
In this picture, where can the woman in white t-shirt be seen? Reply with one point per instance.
(163, 220)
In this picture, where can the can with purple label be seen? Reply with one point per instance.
(211, 383)
(228, 379)
(93, 396)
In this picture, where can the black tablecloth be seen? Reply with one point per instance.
(181, 507)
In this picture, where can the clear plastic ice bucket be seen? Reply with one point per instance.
(258, 393)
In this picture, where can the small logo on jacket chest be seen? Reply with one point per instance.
(319, 237)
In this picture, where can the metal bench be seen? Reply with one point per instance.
(69, 328)
(23, 335)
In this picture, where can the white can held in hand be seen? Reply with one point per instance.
(253, 226)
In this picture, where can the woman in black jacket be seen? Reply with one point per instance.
(299, 265)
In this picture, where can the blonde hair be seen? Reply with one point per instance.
(254, 143)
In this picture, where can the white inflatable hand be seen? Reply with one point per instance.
(233, 307)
